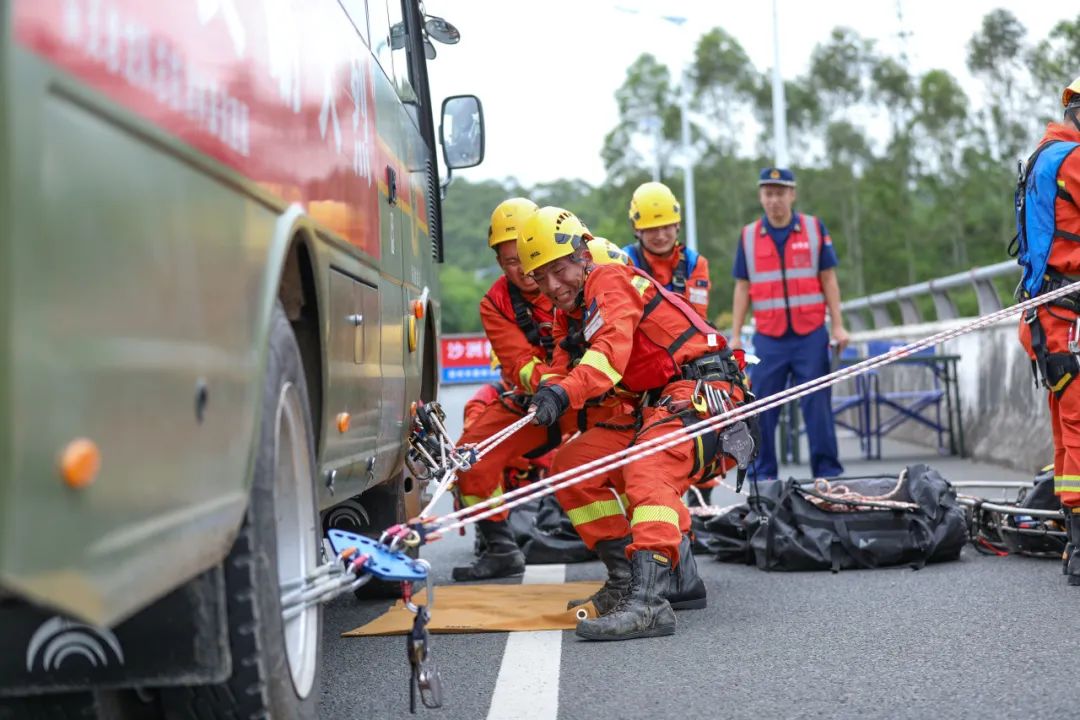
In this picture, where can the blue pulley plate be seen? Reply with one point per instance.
(384, 563)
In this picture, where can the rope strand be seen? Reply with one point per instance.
(621, 458)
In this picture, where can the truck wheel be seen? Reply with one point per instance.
(275, 663)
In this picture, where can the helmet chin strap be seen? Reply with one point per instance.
(1071, 113)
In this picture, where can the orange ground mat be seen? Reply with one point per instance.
(488, 608)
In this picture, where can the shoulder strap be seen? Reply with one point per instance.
(525, 320)
(680, 303)
(687, 263)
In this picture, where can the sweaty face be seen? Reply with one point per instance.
(660, 240)
(777, 201)
(511, 265)
(561, 280)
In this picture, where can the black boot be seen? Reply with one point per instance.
(1072, 570)
(501, 557)
(687, 588)
(613, 555)
(642, 612)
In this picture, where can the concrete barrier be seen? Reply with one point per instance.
(1006, 420)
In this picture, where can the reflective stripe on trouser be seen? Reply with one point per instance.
(485, 478)
(1065, 418)
(654, 485)
(1064, 411)
(590, 504)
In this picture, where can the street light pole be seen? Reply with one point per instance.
(689, 210)
(778, 103)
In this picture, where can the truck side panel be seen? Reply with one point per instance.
(158, 147)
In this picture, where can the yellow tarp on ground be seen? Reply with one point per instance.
(488, 608)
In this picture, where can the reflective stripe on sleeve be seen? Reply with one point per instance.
(525, 376)
(598, 361)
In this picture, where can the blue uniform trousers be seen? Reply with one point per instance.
(799, 358)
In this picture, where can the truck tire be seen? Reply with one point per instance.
(274, 664)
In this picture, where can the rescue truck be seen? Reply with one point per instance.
(219, 235)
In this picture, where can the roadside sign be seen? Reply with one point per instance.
(466, 359)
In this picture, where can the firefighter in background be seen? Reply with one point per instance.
(1048, 237)
(655, 215)
(620, 331)
(785, 272)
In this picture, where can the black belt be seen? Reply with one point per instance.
(716, 366)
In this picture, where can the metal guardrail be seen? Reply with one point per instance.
(980, 279)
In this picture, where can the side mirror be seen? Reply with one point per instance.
(441, 31)
(462, 131)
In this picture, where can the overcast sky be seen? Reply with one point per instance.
(547, 71)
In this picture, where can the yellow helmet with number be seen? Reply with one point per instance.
(1070, 93)
(547, 235)
(654, 205)
(506, 219)
(604, 251)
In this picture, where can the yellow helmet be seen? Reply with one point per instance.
(506, 218)
(1070, 92)
(654, 205)
(547, 235)
(604, 251)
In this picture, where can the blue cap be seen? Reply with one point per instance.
(776, 176)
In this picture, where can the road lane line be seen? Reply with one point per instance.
(528, 684)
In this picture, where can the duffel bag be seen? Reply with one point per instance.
(802, 528)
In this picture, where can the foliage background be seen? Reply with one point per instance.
(913, 178)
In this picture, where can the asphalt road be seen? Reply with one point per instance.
(984, 637)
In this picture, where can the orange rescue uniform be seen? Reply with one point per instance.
(632, 339)
(697, 283)
(1057, 322)
(523, 353)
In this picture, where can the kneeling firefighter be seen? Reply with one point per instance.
(517, 319)
(619, 331)
(1047, 245)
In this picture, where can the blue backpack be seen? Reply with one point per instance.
(687, 263)
(1036, 190)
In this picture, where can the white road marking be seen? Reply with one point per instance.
(528, 684)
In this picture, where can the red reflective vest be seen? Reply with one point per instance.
(785, 292)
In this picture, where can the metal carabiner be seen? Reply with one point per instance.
(428, 586)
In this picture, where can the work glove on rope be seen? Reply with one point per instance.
(549, 403)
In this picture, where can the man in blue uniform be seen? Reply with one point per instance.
(785, 274)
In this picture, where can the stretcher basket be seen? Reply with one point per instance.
(1028, 520)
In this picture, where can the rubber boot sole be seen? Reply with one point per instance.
(463, 575)
(662, 631)
(689, 604)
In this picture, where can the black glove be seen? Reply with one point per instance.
(549, 403)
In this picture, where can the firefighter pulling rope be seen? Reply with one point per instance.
(361, 557)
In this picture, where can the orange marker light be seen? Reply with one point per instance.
(418, 309)
(343, 422)
(80, 462)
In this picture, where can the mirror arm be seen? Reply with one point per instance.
(445, 184)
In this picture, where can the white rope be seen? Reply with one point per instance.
(620, 458)
(450, 475)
